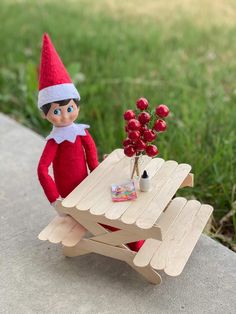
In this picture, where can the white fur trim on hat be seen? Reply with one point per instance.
(56, 93)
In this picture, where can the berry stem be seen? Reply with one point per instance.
(135, 168)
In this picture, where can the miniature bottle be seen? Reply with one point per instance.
(145, 183)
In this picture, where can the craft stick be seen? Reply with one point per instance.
(61, 230)
(93, 227)
(150, 246)
(78, 215)
(169, 216)
(154, 209)
(72, 251)
(93, 178)
(104, 187)
(146, 252)
(85, 246)
(44, 234)
(104, 203)
(148, 273)
(117, 237)
(74, 236)
(136, 209)
(175, 266)
(103, 190)
(105, 249)
(153, 167)
(175, 236)
(117, 209)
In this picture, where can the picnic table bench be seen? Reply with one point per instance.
(170, 226)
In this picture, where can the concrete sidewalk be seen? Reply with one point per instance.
(36, 278)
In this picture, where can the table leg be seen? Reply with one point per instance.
(73, 251)
(120, 251)
(148, 273)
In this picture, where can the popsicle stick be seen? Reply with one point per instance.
(103, 189)
(136, 209)
(175, 266)
(154, 209)
(150, 246)
(104, 203)
(44, 234)
(175, 235)
(78, 215)
(146, 252)
(61, 230)
(169, 216)
(72, 251)
(148, 273)
(105, 249)
(86, 246)
(93, 227)
(117, 237)
(154, 166)
(74, 236)
(93, 178)
(117, 209)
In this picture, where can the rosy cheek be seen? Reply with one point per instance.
(54, 118)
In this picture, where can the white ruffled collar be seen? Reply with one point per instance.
(67, 133)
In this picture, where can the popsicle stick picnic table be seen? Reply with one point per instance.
(170, 226)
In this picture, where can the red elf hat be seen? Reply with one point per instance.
(54, 81)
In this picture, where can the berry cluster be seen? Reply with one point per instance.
(142, 128)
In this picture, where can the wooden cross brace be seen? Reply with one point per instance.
(111, 244)
(71, 234)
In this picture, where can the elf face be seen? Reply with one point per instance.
(61, 116)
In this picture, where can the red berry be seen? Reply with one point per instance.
(126, 128)
(134, 135)
(129, 114)
(162, 111)
(151, 150)
(127, 142)
(144, 117)
(149, 136)
(160, 125)
(133, 125)
(140, 145)
(129, 151)
(143, 129)
(142, 103)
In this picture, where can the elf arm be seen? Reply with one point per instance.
(90, 151)
(45, 179)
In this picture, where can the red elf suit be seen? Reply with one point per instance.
(69, 149)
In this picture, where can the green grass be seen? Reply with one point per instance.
(115, 57)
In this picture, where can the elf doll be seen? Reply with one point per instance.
(70, 148)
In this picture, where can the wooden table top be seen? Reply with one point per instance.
(94, 193)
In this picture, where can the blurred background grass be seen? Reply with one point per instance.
(181, 53)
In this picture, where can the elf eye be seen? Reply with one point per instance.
(70, 109)
(57, 112)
